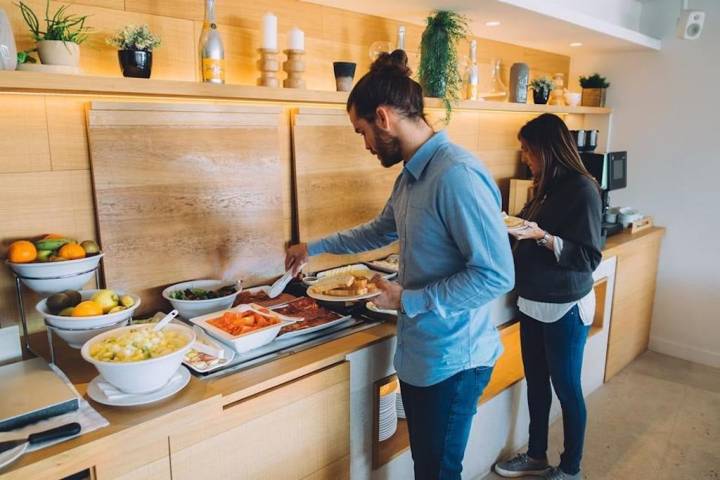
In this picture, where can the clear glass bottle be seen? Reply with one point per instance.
(400, 42)
(497, 89)
(473, 75)
(212, 53)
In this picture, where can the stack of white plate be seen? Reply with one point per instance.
(400, 407)
(387, 411)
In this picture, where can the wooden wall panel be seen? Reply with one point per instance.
(178, 202)
(23, 143)
(67, 133)
(35, 203)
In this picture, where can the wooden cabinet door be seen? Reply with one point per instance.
(298, 430)
(635, 277)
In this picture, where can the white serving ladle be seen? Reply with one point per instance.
(167, 319)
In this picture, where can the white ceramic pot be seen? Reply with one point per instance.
(572, 98)
(8, 50)
(47, 278)
(145, 375)
(194, 308)
(57, 52)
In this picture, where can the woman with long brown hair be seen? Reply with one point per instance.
(555, 256)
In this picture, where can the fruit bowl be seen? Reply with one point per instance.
(47, 278)
(195, 308)
(139, 376)
(90, 322)
(75, 338)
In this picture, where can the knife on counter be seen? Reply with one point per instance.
(62, 431)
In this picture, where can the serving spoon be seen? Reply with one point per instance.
(166, 319)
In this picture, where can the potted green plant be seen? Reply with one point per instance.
(439, 74)
(135, 45)
(541, 88)
(58, 43)
(594, 89)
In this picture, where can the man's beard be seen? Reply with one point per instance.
(387, 149)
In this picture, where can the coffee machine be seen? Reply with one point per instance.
(609, 169)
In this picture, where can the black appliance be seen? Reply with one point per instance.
(610, 171)
(585, 140)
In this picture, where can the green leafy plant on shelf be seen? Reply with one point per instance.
(135, 37)
(58, 26)
(25, 57)
(542, 84)
(439, 74)
(594, 81)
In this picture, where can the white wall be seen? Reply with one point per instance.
(625, 13)
(666, 106)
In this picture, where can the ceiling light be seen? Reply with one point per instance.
(576, 44)
(492, 23)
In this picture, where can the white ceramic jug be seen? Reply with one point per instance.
(8, 51)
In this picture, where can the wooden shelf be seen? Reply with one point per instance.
(54, 83)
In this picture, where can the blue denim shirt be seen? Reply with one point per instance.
(454, 260)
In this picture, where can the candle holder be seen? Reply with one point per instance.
(294, 67)
(269, 66)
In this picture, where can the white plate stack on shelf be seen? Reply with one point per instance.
(387, 411)
(400, 407)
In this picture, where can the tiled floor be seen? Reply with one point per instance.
(659, 419)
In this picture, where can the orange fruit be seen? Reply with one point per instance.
(71, 251)
(22, 251)
(88, 308)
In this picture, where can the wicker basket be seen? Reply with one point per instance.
(593, 97)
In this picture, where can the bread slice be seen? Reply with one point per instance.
(344, 280)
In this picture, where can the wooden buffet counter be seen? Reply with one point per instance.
(290, 418)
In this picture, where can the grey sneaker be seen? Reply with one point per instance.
(556, 474)
(520, 466)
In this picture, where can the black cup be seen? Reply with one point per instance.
(135, 63)
(344, 73)
(344, 69)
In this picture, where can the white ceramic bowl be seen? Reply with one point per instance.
(142, 376)
(76, 323)
(572, 98)
(77, 337)
(195, 308)
(628, 215)
(243, 342)
(47, 278)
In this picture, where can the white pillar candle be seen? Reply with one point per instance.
(269, 31)
(296, 39)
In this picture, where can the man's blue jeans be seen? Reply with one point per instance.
(439, 418)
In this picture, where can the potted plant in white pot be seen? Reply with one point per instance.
(541, 88)
(135, 45)
(594, 89)
(59, 42)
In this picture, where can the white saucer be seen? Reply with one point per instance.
(171, 388)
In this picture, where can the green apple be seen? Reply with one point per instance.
(127, 301)
(107, 299)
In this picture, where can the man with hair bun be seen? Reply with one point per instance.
(454, 260)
